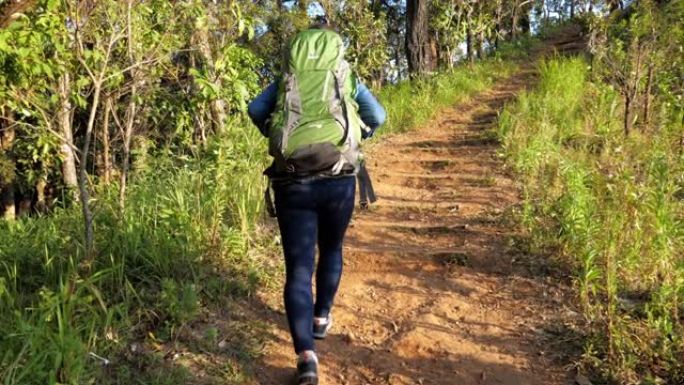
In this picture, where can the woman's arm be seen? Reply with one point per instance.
(261, 108)
(371, 111)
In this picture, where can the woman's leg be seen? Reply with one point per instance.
(336, 204)
(297, 219)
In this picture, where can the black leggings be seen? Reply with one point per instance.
(310, 213)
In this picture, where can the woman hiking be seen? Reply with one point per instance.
(314, 116)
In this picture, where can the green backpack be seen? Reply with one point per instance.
(316, 129)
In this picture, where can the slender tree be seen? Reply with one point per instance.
(64, 122)
(7, 166)
(418, 49)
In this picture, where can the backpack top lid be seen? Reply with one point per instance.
(315, 50)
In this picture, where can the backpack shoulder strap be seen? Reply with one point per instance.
(341, 113)
(293, 106)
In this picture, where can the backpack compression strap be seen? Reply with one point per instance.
(268, 201)
(341, 74)
(366, 191)
(339, 108)
(293, 104)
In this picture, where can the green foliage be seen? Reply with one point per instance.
(179, 302)
(638, 52)
(237, 71)
(517, 49)
(367, 48)
(611, 207)
(449, 23)
(281, 26)
(33, 50)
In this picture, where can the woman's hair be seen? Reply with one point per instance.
(322, 22)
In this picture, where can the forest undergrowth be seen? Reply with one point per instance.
(608, 210)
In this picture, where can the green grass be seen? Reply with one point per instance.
(612, 207)
(518, 49)
(410, 104)
(187, 237)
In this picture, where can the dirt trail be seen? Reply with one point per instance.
(432, 292)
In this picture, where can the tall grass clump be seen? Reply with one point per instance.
(184, 238)
(613, 210)
(413, 102)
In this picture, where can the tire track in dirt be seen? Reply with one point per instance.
(431, 293)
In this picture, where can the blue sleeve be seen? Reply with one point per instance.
(371, 111)
(261, 108)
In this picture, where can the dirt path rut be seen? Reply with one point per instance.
(432, 292)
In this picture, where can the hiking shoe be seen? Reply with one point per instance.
(307, 372)
(320, 330)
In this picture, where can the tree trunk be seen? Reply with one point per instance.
(66, 130)
(128, 134)
(450, 61)
(397, 59)
(614, 5)
(480, 45)
(24, 207)
(41, 185)
(524, 22)
(647, 96)
(627, 118)
(106, 157)
(514, 22)
(497, 28)
(469, 43)
(218, 106)
(8, 207)
(572, 9)
(419, 52)
(633, 90)
(83, 186)
(130, 115)
(434, 52)
(201, 127)
(84, 193)
(497, 24)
